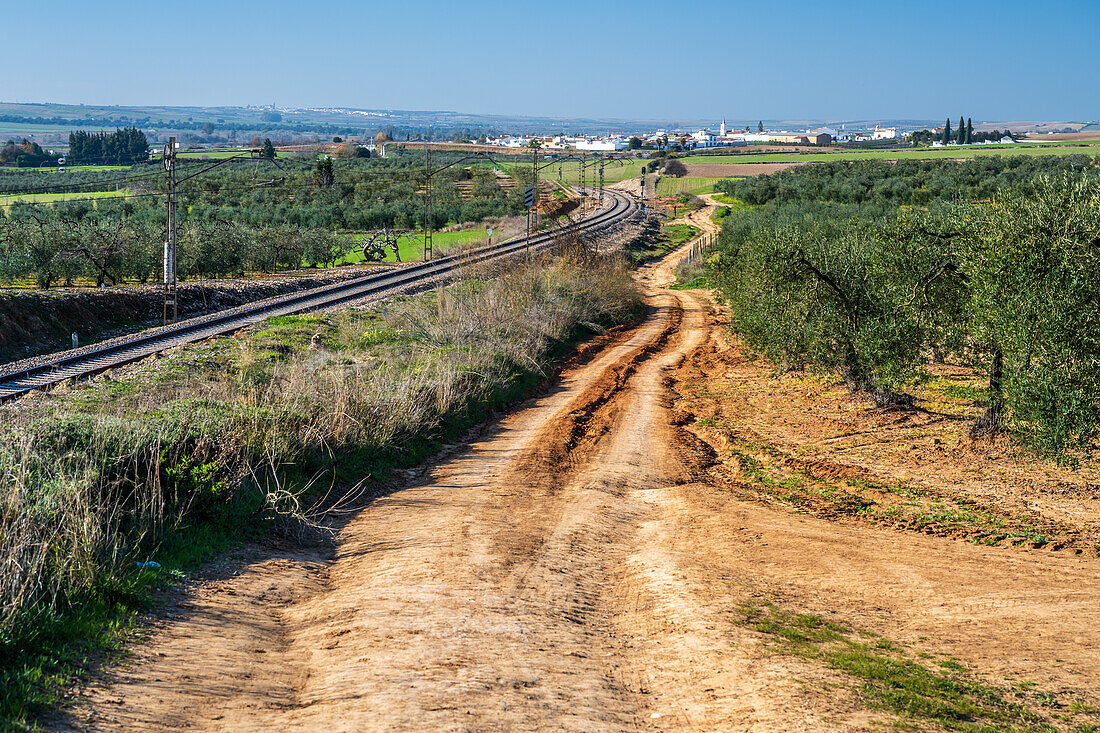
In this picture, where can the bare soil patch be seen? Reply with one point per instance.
(579, 565)
(748, 170)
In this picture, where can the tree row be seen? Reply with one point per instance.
(1006, 285)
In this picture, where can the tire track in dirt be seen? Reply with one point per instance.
(423, 588)
(576, 567)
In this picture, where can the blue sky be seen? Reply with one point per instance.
(669, 60)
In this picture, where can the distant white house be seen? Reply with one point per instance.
(605, 144)
(512, 142)
(888, 133)
(1006, 140)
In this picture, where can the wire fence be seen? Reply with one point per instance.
(699, 247)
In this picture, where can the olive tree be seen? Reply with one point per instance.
(1034, 269)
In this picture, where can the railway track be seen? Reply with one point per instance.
(67, 365)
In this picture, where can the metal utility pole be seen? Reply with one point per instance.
(529, 203)
(428, 200)
(601, 179)
(535, 182)
(584, 189)
(428, 173)
(171, 308)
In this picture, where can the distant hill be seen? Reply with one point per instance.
(49, 123)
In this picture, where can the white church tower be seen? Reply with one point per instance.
(722, 129)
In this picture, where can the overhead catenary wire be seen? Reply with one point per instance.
(396, 175)
(61, 188)
(132, 176)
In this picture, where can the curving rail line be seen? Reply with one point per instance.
(66, 365)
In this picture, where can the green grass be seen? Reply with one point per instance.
(87, 168)
(61, 646)
(731, 204)
(669, 186)
(19, 128)
(672, 236)
(940, 692)
(6, 200)
(570, 171)
(213, 154)
(411, 246)
(1037, 141)
(679, 234)
(901, 154)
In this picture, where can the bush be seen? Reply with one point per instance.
(1033, 264)
(675, 168)
(820, 286)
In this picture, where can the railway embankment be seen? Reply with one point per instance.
(114, 486)
(36, 322)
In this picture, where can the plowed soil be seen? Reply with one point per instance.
(748, 170)
(577, 566)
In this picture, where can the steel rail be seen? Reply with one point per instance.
(67, 365)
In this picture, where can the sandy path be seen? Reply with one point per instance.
(575, 568)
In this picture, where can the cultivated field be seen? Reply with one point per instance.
(570, 171)
(976, 151)
(18, 128)
(669, 186)
(74, 168)
(6, 200)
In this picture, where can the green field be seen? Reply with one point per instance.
(1039, 141)
(88, 168)
(669, 186)
(6, 200)
(412, 245)
(211, 154)
(82, 168)
(903, 154)
(570, 171)
(18, 128)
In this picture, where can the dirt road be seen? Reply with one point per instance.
(577, 567)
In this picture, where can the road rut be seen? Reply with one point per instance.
(575, 568)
